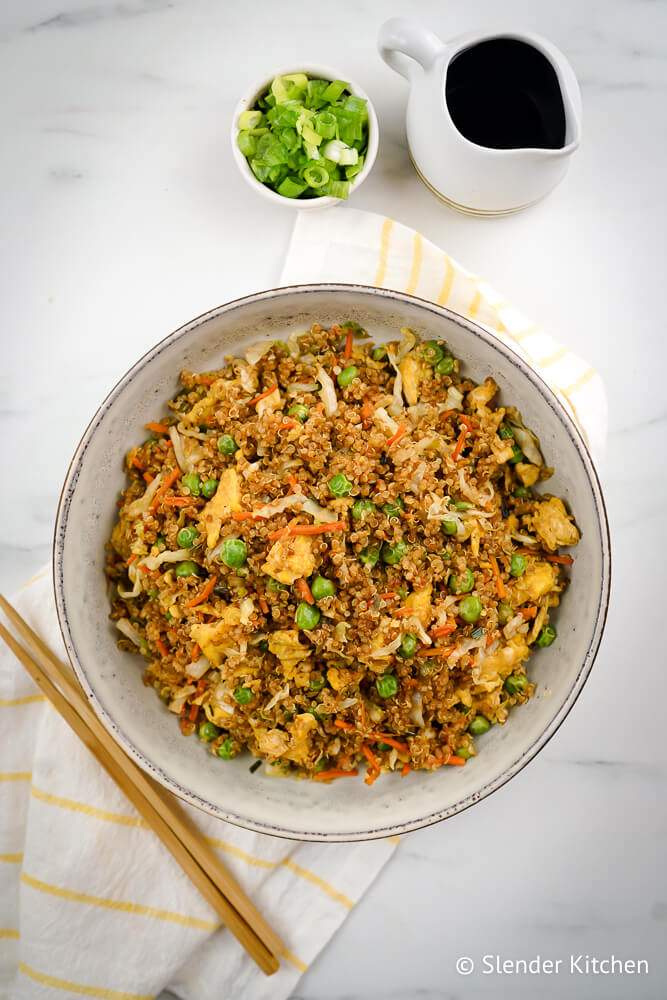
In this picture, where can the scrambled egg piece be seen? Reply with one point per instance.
(290, 558)
(226, 501)
(202, 412)
(527, 473)
(285, 644)
(553, 525)
(420, 602)
(411, 373)
(535, 583)
(340, 678)
(212, 638)
(482, 394)
(494, 668)
(272, 742)
(302, 727)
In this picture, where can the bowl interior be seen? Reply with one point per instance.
(346, 810)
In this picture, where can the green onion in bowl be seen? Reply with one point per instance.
(305, 137)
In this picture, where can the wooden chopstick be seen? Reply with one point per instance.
(158, 808)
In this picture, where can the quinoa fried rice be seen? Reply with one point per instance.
(330, 554)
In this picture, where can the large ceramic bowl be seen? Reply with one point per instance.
(138, 720)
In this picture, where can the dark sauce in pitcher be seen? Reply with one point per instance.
(504, 94)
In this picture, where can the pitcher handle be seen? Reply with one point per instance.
(403, 42)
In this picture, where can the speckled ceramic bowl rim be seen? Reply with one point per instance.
(559, 413)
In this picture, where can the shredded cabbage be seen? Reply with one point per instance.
(198, 668)
(391, 647)
(130, 632)
(327, 392)
(319, 513)
(140, 506)
(153, 562)
(179, 450)
(295, 388)
(257, 351)
(383, 418)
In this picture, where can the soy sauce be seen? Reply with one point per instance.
(504, 94)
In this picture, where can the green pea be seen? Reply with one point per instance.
(386, 686)
(408, 646)
(518, 565)
(470, 609)
(449, 526)
(516, 683)
(192, 482)
(379, 353)
(517, 455)
(317, 682)
(505, 432)
(479, 725)
(187, 568)
(462, 584)
(243, 695)
(446, 366)
(463, 752)
(226, 749)
(209, 488)
(321, 587)
(383, 746)
(187, 537)
(227, 445)
(208, 731)
(273, 586)
(505, 612)
(347, 376)
(234, 552)
(360, 508)
(394, 507)
(392, 554)
(339, 485)
(433, 352)
(546, 636)
(521, 492)
(299, 412)
(369, 556)
(307, 617)
(461, 505)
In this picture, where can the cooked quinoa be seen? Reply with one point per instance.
(330, 554)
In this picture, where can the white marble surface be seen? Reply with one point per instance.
(123, 216)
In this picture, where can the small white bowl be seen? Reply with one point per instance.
(247, 102)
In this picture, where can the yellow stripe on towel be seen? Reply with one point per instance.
(118, 904)
(81, 807)
(80, 988)
(15, 776)
(416, 265)
(9, 933)
(304, 873)
(447, 282)
(381, 272)
(11, 859)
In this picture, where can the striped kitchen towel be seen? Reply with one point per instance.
(91, 904)
(369, 249)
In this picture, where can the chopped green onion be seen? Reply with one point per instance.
(337, 189)
(291, 188)
(325, 125)
(334, 90)
(246, 143)
(250, 119)
(315, 175)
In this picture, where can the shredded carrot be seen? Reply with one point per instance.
(563, 560)
(206, 379)
(161, 647)
(307, 529)
(262, 395)
(405, 770)
(264, 605)
(347, 726)
(178, 501)
(388, 596)
(144, 569)
(467, 421)
(455, 761)
(458, 447)
(500, 586)
(196, 653)
(148, 478)
(390, 741)
(347, 353)
(528, 612)
(273, 536)
(448, 413)
(335, 772)
(193, 713)
(367, 410)
(205, 592)
(158, 428)
(288, 423)
(438, 651)
(304, 591)
(293, 481)
(402, 429)
(442, 630)
(373, 764)
(242, 515)
(131, 559)
(201, 687)
(136, 463)
(169, 481)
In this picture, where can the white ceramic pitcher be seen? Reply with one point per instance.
(468, 176)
